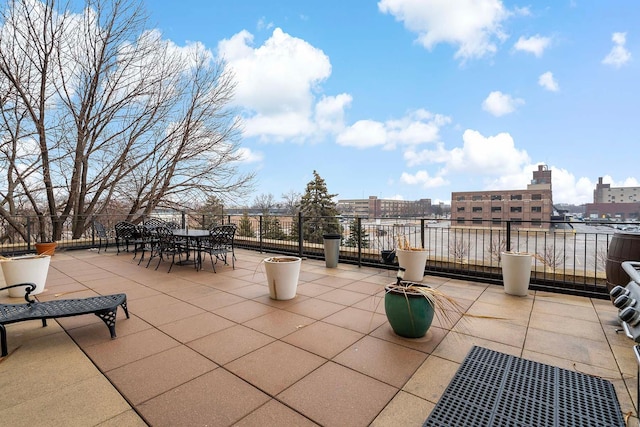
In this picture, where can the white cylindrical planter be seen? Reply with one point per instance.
(413, 263)
(282, 276)
(25, 269)
(516, 273)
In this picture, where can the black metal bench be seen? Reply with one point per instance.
(105, 307)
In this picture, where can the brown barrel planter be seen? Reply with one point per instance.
(46, 248)
(624, 246)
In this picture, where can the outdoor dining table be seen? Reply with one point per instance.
(193, 235)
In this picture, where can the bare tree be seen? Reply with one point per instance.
(291, 201)
(264, 202)
(97, 108)
(551, 257)
(496, 246)
(459, 248)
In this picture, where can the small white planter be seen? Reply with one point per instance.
(25, 269)
(516, 272)
(413, 263)
(282, 276)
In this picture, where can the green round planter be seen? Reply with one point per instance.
(409, 313)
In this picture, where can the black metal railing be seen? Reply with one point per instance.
(568, 256)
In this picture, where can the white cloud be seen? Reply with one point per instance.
(423, 179)
(619, 55)
(277, 86)
(249, 156)
(263, 24)
(472, 25)
(547, 81)
(418, 127)
(329, 114)
(492, 155)
(566, 188)
(535, 44)
(627, 182)
(499, 104)
(363, 134)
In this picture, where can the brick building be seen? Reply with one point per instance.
(532, 206)
(384, 208)
(614, 202)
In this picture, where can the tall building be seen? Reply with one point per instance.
(533, 206)
(384, 208)
(614, 202)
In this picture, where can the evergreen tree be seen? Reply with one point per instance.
(319, 210)
(211, 212)
(271, 228)
(357, 234)
(245, 228)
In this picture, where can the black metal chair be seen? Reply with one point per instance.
(172, 225)
(102, 234)
(220, 243)
(165, 244)
(153, 223)
(126, 233)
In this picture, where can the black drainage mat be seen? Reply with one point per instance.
(497, 389)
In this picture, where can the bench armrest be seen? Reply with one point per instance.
(30, 287)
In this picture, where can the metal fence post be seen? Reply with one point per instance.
(300, 240)
(260, 232)
(358, 223)
(508, 235)
(29, 233)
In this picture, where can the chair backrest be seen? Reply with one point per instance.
(164, 235)
(172, 225)
(100, 230)
(223, 234)
(125, 230)
(152, 223)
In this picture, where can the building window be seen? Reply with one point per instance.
(460, 198)
(460, 220)
(460, 209)
(475, 198)
(516, 208)
(536, 222)
(516, 197)
(477, 221)
(477, 209)
(536, 197)
(496, 197)
(496, 221)
(536, 208)
(496, 208)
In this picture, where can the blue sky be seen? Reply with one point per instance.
(414, 99)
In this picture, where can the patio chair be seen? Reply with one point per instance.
(153, 223)
(172, 225)
(126, 234)
(101, 233)
(220, 243)
(165, 245)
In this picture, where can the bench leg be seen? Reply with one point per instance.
(3, 337)
(124, 307)
(109, 318)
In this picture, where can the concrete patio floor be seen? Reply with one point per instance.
(205, 348)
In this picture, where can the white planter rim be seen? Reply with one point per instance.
(516, 253)
(282, 259)
(23, 257)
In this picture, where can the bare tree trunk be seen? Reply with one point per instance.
(99, 110)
